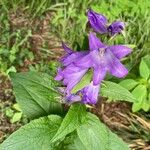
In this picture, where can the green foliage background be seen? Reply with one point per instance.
(69, 23)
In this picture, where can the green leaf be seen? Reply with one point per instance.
(117, 143)
(75, 143)
(11, 69)
(115, 91)
(9, 112)
(129, 84)
(140, 93)
(144, 69)
(35, 94)
(136, 106)
(92, 135)
(146, 60)
(84, 82)
(145, 105)
(71, 121)
(96, 136)
(17, 116)
(149, 98)
(16, 107)
(34, 136)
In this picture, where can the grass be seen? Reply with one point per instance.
(68, 22)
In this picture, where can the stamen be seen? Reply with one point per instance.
(101, 52)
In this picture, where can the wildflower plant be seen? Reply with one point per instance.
(100, 58)
(82, 74)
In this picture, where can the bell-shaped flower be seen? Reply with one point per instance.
(90, 94)
(70, 55)
(97, 21)
(87, 95)
(71, 75)
(68, 98)
(116, 28)
(103, 58)
(100, 58)
(100, 24)
(72, 98)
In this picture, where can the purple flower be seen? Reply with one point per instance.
(99, 23)
(90, 93)
(116, 27)
(87, 95)
(71, 55)
(103, 59)
(100, 58)
(71, 75)
(69, 98)
(72, 98)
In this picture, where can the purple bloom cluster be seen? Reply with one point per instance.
(100, 58)
(100, 24)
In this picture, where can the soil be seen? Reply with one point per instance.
(6, 100)
(132, 128)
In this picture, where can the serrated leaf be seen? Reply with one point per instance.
(115, 91)
(140, 93)
(129, 84)
(144, 69)
(73, 142)
(91, 134)
(84, 82)
(96, 136)
(77, 145)
(71, 121)
(34, 136)
(35, 94)
(116, 142)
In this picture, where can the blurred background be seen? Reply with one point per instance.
(31, 32)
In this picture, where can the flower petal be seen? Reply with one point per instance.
(72, 57)
(66, 48)
(59, 75)
(117, 69)
(120, 51)
(116, 27)
(84, 62)
(72, 98)
(90, 93)
(94, 42)
(97, 21)
(73, 80)
(72, 75)
(99, 74)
